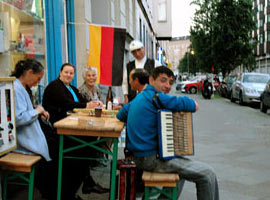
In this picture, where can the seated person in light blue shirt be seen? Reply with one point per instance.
(30, 137)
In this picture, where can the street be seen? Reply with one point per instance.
(235, 141)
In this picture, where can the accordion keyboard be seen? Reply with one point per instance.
(175, 134)
(167, 134)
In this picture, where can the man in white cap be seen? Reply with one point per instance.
(141, 61)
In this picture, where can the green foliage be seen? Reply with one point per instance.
(188, 63)
(221, 35)
(183, 64)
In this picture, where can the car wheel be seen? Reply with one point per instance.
(263, 107)
(193, 90)
(232, 98)
(241, 102)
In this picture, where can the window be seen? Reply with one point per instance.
(144, 35)
(147, 45)
(152, 51)
(268, 36)
(268, 18)
(22, 33)
(140, 28)
(261, 23)
(162, 10)
(261, 39)
(261, 7)
(255, 79)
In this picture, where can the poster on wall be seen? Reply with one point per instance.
(33, 43)
(29, 40)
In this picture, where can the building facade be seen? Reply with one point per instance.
(135, 16)
(262, 34)
(162, 13)
(55, 32)
(176, 50)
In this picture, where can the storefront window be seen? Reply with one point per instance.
(22, 33)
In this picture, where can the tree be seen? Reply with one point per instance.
(202, 34)
(183, 66)
(221, 35)
(188, 63)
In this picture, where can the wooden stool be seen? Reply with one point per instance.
(20, 166)
(153, 180)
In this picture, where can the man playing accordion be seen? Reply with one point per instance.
(142, 129)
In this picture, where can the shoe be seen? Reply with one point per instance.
(87, 189)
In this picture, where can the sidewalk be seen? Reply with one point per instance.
(101, 175)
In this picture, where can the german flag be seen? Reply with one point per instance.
(106, 53)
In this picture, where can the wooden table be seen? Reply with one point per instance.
(106, 128)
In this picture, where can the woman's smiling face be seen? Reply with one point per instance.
(67, 74)
(90, 78)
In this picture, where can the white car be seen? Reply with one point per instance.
(248, 87)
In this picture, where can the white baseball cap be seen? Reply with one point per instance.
(135, 44)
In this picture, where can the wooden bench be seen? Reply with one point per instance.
(22, 166)
(167, 181)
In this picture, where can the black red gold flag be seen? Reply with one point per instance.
(106, 53)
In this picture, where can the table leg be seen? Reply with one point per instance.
(114, 162)
(60, 166)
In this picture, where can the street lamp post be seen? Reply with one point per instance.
(190, 51)
(188, 62)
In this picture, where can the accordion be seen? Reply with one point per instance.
(175, 134)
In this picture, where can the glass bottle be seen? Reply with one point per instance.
(109, 99)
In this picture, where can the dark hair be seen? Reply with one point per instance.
(161, 70)
(141, 74)
(67, 64)
(25, 65)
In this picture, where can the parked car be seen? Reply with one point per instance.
(222, 89)
(225, 87)
(265, 98)
(193, 85)
(248, 87)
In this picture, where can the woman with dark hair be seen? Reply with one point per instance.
(30, 138)
(59, 98)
